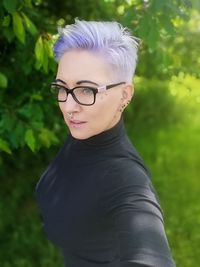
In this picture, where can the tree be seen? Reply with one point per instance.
(28, 116)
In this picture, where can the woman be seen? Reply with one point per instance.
(96, 197)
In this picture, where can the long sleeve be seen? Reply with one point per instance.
(134, 208)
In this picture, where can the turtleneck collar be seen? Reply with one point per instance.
(107, 137)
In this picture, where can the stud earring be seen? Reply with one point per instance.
(122, 108)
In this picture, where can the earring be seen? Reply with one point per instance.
(124, 105)
(122, 108)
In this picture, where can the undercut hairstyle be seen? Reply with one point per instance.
(109, 39)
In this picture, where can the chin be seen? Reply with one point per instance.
(80, 135)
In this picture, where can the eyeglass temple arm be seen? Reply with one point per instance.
(103, 88)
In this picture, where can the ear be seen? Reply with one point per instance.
(127, 93)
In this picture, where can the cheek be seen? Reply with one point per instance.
(63, 112)
(108, 104)
(102, 96)
(61, 108)
(102, 101)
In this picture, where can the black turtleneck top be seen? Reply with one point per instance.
(99, 206)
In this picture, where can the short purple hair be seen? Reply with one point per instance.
(110, 39)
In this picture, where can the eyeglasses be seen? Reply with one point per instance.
(83, 95)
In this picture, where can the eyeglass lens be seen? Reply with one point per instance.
(82, 95)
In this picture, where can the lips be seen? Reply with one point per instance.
(76, 123)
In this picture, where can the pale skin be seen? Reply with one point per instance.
(76, 65)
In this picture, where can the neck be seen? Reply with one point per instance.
(104, 138)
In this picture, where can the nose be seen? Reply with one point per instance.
(70, 105)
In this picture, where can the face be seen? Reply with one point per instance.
(87, 121)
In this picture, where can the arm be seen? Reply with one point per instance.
(138, 221)
(142, 238)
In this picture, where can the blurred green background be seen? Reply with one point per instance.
(162, 120)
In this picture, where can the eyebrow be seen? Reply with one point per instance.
(59, 80)
(86, 81)
(79, 82)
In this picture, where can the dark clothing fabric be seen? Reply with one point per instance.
(99, 206)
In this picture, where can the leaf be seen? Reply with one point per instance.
(37, 97)
(4, 146)
(30, 25)
(10, 5)
(28, 3)
(7, 121)
(6, 21)
(43, 52)
(45, 61)
(17, 136)
(31, 111)
(18, 27)
(48, 53)
(47, 137)
(30, 139)
(3, 80)
(39, 49)
(48, 48)
(38, 65)
(9, 34)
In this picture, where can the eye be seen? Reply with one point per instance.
(86, 91)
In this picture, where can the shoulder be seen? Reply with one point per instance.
(127, 171)
(126, 184)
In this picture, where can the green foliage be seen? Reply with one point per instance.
(43, 52)
(30, 139)
(3, 80)
(30, 25)
(172, 150)
(4, 146)
(21, 233)
(10, 5)
(27, 55)
(163, 119)
(18, 27)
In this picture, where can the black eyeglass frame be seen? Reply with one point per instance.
(96, 90)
